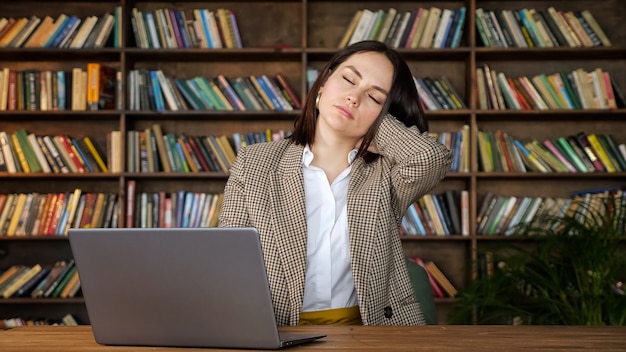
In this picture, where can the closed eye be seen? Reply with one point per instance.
(348, 80)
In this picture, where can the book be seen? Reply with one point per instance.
(618, 157)
(70, 285)
(578, 150)
(436, 289)
(595, 27)
(6, 150)
(609, 147)
(591, 154)
(441, 279)
(162, 151)
(101, 86)
(25, 148)
(416, 220)
(506, 216)
(362, 28)
(288, 90)
(79, 39)
(435, 216)
(600, 152)
(193, 99)
(218, 152)
(486, 207)
(69, 320)
(421, 21)
(443, 212)
(15, 29)
(430, 28)
(350, 29)
(545, 155)
(452, 201)
(13, 278)
(70, 158)
(38, 152)
(9, 274)
(42, 28)
(192, 162)
(29, 286)
(571, 155)
(63, 280)
(230, 93)
(13, 221)
(494, 215)
(97, 155)
(29, 212)
(21, 280)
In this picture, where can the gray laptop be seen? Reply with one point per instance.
(189, 287)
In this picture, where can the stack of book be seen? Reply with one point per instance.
(152, 90)
(577, 89)
(420, 28)
(96, 87)
(437, 93)
(438, 215)
(28, 153)
(66, 31)
(171, 209)
(170, 28)
(151, 150)
(528, 28)
(67, 320)
(58, 281)
(583, 152)
(458, 143)
(53, 214)
(439, 283)
(510, 215)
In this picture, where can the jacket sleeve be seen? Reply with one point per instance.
(417, 161)
(233, 212)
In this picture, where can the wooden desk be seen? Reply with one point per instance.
(439, 338)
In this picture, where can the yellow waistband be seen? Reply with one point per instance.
(337, 316)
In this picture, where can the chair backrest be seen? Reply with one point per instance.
(423, 291)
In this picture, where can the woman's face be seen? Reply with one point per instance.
(354, 94)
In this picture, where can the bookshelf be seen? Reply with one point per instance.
(291, 36)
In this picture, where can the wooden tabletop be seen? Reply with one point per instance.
(441, 338)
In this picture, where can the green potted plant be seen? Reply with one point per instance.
(569, 272)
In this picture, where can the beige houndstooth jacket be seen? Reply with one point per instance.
(266, 191)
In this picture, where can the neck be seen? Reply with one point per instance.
(331, 153)
(328, 146)
(328, 142)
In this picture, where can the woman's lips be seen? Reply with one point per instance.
(344, 111)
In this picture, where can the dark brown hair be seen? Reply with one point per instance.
(402, 102)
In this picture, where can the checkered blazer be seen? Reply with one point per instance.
(266, 190)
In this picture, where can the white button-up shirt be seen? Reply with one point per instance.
(328, 283)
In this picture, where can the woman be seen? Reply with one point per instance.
(328, 202)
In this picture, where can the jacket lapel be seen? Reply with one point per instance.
(363, 203)
(288, 202)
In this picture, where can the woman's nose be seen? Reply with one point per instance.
(352, 99)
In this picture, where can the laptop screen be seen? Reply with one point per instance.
(196, 287)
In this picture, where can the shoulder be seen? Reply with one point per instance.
(268, 147)
(267, 150)
(269, 154)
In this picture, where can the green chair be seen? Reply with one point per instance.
(423, 291)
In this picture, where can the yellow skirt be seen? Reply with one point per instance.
(337, 316)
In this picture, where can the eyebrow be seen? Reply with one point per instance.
(356, 72)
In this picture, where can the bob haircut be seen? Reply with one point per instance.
(402, 102)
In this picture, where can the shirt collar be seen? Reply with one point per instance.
(307, 156)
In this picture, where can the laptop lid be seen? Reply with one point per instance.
(191, 287)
